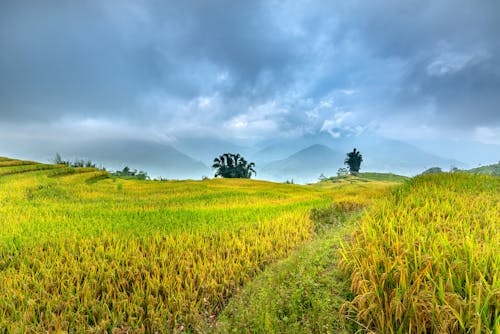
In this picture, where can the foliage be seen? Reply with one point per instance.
(303, 293)
(342, 172)
(432, 170)
(230, 165)
(368, 178)
(77, 163)
(386, 177)
(425, 260)
(128, 173)
(493, 169)
(353, 161)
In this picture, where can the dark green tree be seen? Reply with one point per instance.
(230, 165)
(353, 161)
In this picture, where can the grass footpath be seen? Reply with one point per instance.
(301, 294)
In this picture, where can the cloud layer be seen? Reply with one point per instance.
(251, 69)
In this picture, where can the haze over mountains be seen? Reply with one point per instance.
(302, 159)
(166, 86)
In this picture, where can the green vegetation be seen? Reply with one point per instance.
(131, 174)
(230, 165)
(383, 177)
(486, 170)
(366, 178)
(432, 170)
(302, 294)
(58, 160)
(353, 161)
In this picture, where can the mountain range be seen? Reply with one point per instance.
(302, 159)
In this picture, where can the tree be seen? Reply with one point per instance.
(342, 172)
(127, 173)
(354, 160)
(230, 165)
(59, 161)
(432, 170)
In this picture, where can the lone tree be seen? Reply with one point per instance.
(230, 165)
(353, 160)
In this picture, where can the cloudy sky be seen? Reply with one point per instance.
(249, 70)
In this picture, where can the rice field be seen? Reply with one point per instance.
(81, 252)
(426, 259)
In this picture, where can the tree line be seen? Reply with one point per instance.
(231, 165)
(227, 165)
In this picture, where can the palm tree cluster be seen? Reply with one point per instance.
(230, 165)
(354, 160)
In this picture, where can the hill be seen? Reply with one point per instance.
(366, 179)
(107, 255)
(486, 170)
(156, 159)
(379, 154)
(239, 255)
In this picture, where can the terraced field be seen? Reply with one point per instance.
(83, 252)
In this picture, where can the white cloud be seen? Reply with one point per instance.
(487, 135)
(338, 121)
(449, 62)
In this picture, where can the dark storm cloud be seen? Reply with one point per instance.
(250, 68)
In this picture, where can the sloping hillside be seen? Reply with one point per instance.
(487, 170)
(82, 252)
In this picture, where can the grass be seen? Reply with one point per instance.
(493, 169)
(371, 178)
(385, 177)
(301, 294)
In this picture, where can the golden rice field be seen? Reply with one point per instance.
(427, 258)
(80, 252)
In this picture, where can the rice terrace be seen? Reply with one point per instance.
(254, 167)
(81, 251)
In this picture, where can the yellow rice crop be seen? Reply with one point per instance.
(81, 253)
(427, 259)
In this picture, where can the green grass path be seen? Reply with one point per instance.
(302, 294)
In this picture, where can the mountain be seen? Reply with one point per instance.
(192, 157)
(474, 153)
(156, 159)
(379, 154)
(274, 152)
(282, 149)
(305, 165)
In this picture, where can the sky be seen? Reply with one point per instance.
(248, 71)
